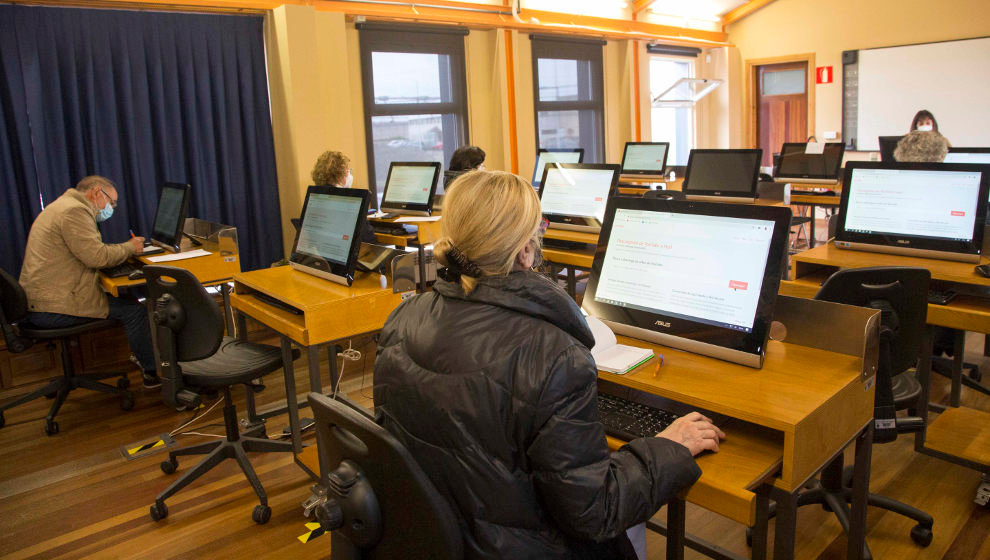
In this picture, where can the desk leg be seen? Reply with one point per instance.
(811, 227)
(860, 495)
(422, 268)
(290, 394)
(958, 348)
(332, 350)
(759, 549)
(228, 314)
(785, 529)
(571, 282)
(241, 322)
(315, 383)
(676, 512)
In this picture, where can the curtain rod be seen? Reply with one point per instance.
(427, 5)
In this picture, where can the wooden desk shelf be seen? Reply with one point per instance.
(963, 433)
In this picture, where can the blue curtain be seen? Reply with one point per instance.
(141, 98)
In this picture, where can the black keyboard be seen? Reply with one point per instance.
(564, 245)
(941, 297)
(389, 229)
(628, 420)
(275, 302)
(122, 269)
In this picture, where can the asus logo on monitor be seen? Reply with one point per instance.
(663, 324)
(904, 241)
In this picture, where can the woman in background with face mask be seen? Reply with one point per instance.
(924, 142)
(334, 169)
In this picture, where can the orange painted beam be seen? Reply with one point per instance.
(743, 11)
(510, 81)
(637, 98)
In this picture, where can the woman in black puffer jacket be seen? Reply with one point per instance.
(489, 382)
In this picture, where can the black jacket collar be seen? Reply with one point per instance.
(530, 293)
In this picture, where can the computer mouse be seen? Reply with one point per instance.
(136, 275)
(983, 270)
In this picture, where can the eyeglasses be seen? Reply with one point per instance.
(113, 202)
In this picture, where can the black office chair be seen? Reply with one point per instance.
(20, 335)
(196, 356)
(665, 194)
(379, 502)
(901, 295)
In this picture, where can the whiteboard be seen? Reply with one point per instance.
(951, 79)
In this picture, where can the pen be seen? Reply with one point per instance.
(132, 232)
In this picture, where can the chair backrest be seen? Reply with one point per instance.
(13, 308)
(665, 194)
(187, 310)
(401, 514)
(900, 293)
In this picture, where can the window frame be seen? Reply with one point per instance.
(570, 48)
(692, 62)
(415, 39)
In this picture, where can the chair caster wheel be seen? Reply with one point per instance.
(127, 402)
(123, 383)
(749, 537)
(51, 395)
(3, 420)
(922, 536)
(168, 467)
(159, 511)
(261, 514)
(51, 427)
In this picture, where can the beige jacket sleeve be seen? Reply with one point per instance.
(83, 238)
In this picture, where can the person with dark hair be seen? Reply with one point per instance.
(923, 142)
(62, 262)
(465, 158)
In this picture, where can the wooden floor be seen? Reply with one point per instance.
(74, 495)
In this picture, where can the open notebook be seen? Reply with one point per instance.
(611, 356)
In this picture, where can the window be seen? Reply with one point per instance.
(415, 96)
(568, 95)
(672, 124)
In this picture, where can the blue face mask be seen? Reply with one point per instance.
(104, 215)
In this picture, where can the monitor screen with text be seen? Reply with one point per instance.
(707, 269)
(724, 171)
(548, 157)
(576, 192)
(915, 203)
(645, 157)
(328, 226)
(410, 184)
(967, 157)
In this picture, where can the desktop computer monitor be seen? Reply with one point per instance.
(173, 202)
(934, 210)
(329, 239)
(803, 162)
(701, 277)
(722, 175)
(410, 187)
(573, 195)
(887, 146)
(968, 155)
(544, 156)
(642, 160)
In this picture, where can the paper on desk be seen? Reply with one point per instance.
(180, 256)
(414, 219)
(815, 148)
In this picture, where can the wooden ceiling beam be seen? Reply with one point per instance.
(743, 11)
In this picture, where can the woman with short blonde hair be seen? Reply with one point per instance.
(332, 168)
(489, 382)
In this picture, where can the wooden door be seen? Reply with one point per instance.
(781, 107)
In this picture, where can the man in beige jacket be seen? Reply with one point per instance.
(60, 274)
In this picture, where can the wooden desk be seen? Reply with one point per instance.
(788, 420)
(952, 434)
(330, 312)
(814, 195)
(427, 233)
(210, 270)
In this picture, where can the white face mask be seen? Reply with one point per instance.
(925, 127)
(349, 181)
